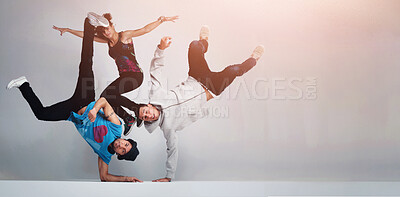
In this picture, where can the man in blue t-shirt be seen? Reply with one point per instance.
(95, 121)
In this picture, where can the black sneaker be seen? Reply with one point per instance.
(128, 125)
(139, 122)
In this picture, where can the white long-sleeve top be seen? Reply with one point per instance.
(179, 106)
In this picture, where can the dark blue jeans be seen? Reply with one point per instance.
(84, 90)
(216, 82)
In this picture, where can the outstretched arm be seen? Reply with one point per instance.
(76, 33)
(108, 111)
(148, 28)
(106, 177)
(172, 155)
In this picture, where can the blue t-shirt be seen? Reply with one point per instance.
(98, 134)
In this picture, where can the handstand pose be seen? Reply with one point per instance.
(173, 110)
(95, 121)
(121, 49)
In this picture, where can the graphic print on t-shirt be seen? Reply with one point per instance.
(99, 132)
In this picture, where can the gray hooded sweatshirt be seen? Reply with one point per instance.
(179, 107)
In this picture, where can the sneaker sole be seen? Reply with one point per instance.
(12, 82)
(204, 32)
(97, 20)
(129, 131)
(258, 52)
(141, 124)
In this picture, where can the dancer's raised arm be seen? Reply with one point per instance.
(128, 34)
(77, 33)
(157, 64)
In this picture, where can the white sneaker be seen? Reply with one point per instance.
(204, 32)
(97, 20)
(16, 83)
(258, 52)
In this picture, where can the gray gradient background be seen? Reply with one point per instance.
(350, 132)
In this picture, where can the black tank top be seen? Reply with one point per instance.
(124, 56)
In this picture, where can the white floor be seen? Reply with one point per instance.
(194, 189)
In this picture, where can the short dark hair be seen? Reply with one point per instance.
(132, 154)
(142, 105)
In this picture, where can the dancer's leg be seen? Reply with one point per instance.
(125, 83)
(84, 91)
(216, 82)
(56, 112)
(198, 67)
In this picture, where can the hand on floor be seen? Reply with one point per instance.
(133, 179)
(162, 180)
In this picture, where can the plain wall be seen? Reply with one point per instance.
(262, 128)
